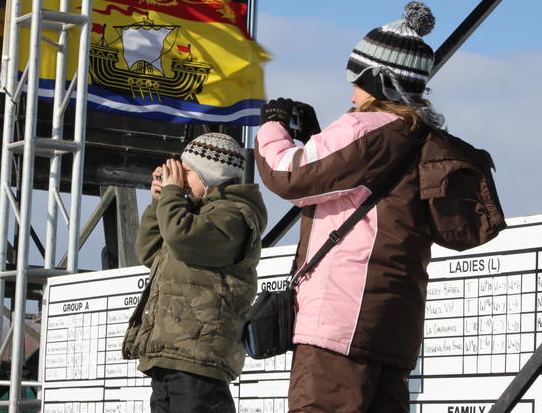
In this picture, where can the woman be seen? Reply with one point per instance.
(361, 309)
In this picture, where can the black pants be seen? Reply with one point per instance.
(179, 392)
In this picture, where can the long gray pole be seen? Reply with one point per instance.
(57, 133)
(17, 352)
(247, 134)
(79, 137)
(7, 137)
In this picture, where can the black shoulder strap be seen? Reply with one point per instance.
(335, 236)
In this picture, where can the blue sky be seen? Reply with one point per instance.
(511, 27)
(488, 91)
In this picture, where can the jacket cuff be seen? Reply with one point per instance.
(273, 126)
(173, 190)
(176, 193)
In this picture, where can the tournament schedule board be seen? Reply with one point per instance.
(86, 316)
(483, 322)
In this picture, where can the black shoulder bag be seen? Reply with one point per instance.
(269, 325)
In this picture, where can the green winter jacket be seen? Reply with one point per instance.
(203, 255)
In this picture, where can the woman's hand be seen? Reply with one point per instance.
(173, 173)
(156, 183)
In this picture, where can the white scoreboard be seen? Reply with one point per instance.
(483, 322)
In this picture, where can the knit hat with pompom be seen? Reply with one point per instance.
(393, 61)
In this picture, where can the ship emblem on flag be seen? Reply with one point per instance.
(185, 61)
(143, 45)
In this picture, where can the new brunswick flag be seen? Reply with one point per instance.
(171, 60)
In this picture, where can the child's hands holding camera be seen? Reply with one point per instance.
(156, 183)
(170, 173)
(173, 173)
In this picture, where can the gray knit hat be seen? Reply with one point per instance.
(394, 58)
(215, 157)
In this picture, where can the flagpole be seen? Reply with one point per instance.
(247, 132)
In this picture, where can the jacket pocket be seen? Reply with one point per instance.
(175, 326)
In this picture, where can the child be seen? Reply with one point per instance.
(201, 238)
(360, 314)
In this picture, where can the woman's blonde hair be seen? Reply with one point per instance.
(409, 115)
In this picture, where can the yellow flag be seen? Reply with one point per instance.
(171, 60)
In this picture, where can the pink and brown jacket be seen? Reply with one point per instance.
(366, 297)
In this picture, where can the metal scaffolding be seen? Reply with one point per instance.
(117, 207)
(30, 146)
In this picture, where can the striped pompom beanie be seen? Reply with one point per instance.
(393, 62)
(216, 158)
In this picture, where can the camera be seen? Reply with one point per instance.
(295, 121)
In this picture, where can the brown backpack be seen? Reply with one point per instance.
(456, 181)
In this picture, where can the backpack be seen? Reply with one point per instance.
(456, 181)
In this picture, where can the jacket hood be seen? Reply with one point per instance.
(248, 194)
(441, 146)
(443, 154)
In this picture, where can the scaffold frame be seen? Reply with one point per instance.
(31, 146)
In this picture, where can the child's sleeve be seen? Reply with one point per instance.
(355, 153)
(214, 238)
(314, 173)
(149, 241)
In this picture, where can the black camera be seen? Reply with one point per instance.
(296, 123)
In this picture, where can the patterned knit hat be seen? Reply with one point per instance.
(215, 157)
(392, 61)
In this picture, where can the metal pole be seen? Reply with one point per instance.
(23, 383)
(17, 352)
(57, 134)
(463, 32)
(7, 137)
(4, 345)
(127, 226)
(247, 135)
(93, 220)
(248, 176)
(251, 18)
(79, 137)
(520, 384)
(2, 293)
(43, 339)
(281, 228)
(27, 405)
